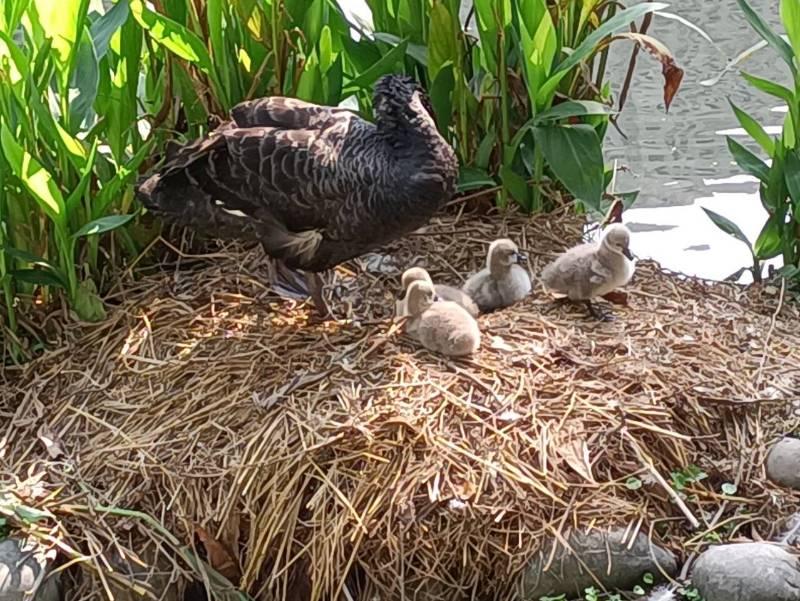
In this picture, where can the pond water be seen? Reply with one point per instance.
(680, 160)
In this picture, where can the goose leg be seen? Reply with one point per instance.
(597, 313)
(314, 283)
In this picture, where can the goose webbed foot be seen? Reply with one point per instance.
(597, 313)
(315, 284)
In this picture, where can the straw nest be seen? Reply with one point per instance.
(206, 418)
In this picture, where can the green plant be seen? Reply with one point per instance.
(686, 476)
(779, 181)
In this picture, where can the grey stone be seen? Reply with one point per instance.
(605, 554)
(747, 572)
(783, 463)
(23, 569)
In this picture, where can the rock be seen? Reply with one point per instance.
(747, 571)
(605, 554)
(23, 568)
(783, 463)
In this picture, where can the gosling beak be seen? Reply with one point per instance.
(436, 298)
(627, 252)
(522, 258)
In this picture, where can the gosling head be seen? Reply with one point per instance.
(503, 253)
(421, 296)
(414, 274)
(617, 238)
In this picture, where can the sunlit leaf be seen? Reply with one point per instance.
(790, 17)
(769, 36)
(769, 87)
(62, 22)
(36, 179)
(107, 25)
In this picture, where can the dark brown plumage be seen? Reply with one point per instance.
(315, 185)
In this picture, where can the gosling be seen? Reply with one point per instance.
(441, 326)
(443, 292)
(592, 269)
(503, 281)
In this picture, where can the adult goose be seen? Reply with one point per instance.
(315, 185)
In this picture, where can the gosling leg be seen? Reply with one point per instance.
(314, 283)
(597, 313)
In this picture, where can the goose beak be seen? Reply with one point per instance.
(627, 252)
(522, 258)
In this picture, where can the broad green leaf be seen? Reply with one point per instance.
(769, 87)
(416, 51)
(769, 243)
(573, 108)
(38, 277)
(12, 60)
(790, 16)
(107, 25)
(487, 145)
(442, 47)
(747, 160)
(28, 257)
(313, 20)
(86, 177)
(769, 36)
(792, 175)
(104, 224)
(727, 226)
(441, 94)
(472, 178)
(309, 86)
(575, 156)
(36, 179)
(619, 21)
(385, 65)
(326, 52)
(62, 22)
(517, 185)
(754, 129)
(86, 303)
(85, 78)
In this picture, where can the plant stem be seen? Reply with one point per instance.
(502, 77)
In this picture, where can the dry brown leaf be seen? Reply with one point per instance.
(220, 557)
(51, 442)
(572, 448)
(617, 297)
(673, 74)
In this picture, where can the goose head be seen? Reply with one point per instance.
(421, 296)
(399, 102)
(503, 253)
(617, 239)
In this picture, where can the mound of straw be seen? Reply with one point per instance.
(217, 426)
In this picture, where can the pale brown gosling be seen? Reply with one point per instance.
(441, 326)
(592, 269)
(444, 292)
(503, 281)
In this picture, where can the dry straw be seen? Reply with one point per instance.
(306, 452)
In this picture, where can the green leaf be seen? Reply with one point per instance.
(769, 87)
(573, 108)
(28, 257)
(754, 129)
(516, 185)
(747, 160)
(416, 51)
(385, 65)
(619, 21)
(764, 30)
(86, 303)
(104, 28)
(484, 154)
(39, 277)
(86, 177)
(728, 489)
(575, 156)
(36, 179)
(31, 515)
(727, 226)
(769, 243)
(18, 64)
(62, 23)
(792, 175)
(441, 95)
(472, 178)
(442, 47)
(790, 16)
(103, 224)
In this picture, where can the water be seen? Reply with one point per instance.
(680, 160)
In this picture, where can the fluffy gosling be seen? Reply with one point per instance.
(503, 281)
(441, 326)
(592, 269)
(443, 292)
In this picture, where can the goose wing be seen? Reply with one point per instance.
(288, 113)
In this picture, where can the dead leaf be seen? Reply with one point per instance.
(673, 74)
(220, 557)
(51, 442)
(617, 297)
(572, 448)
